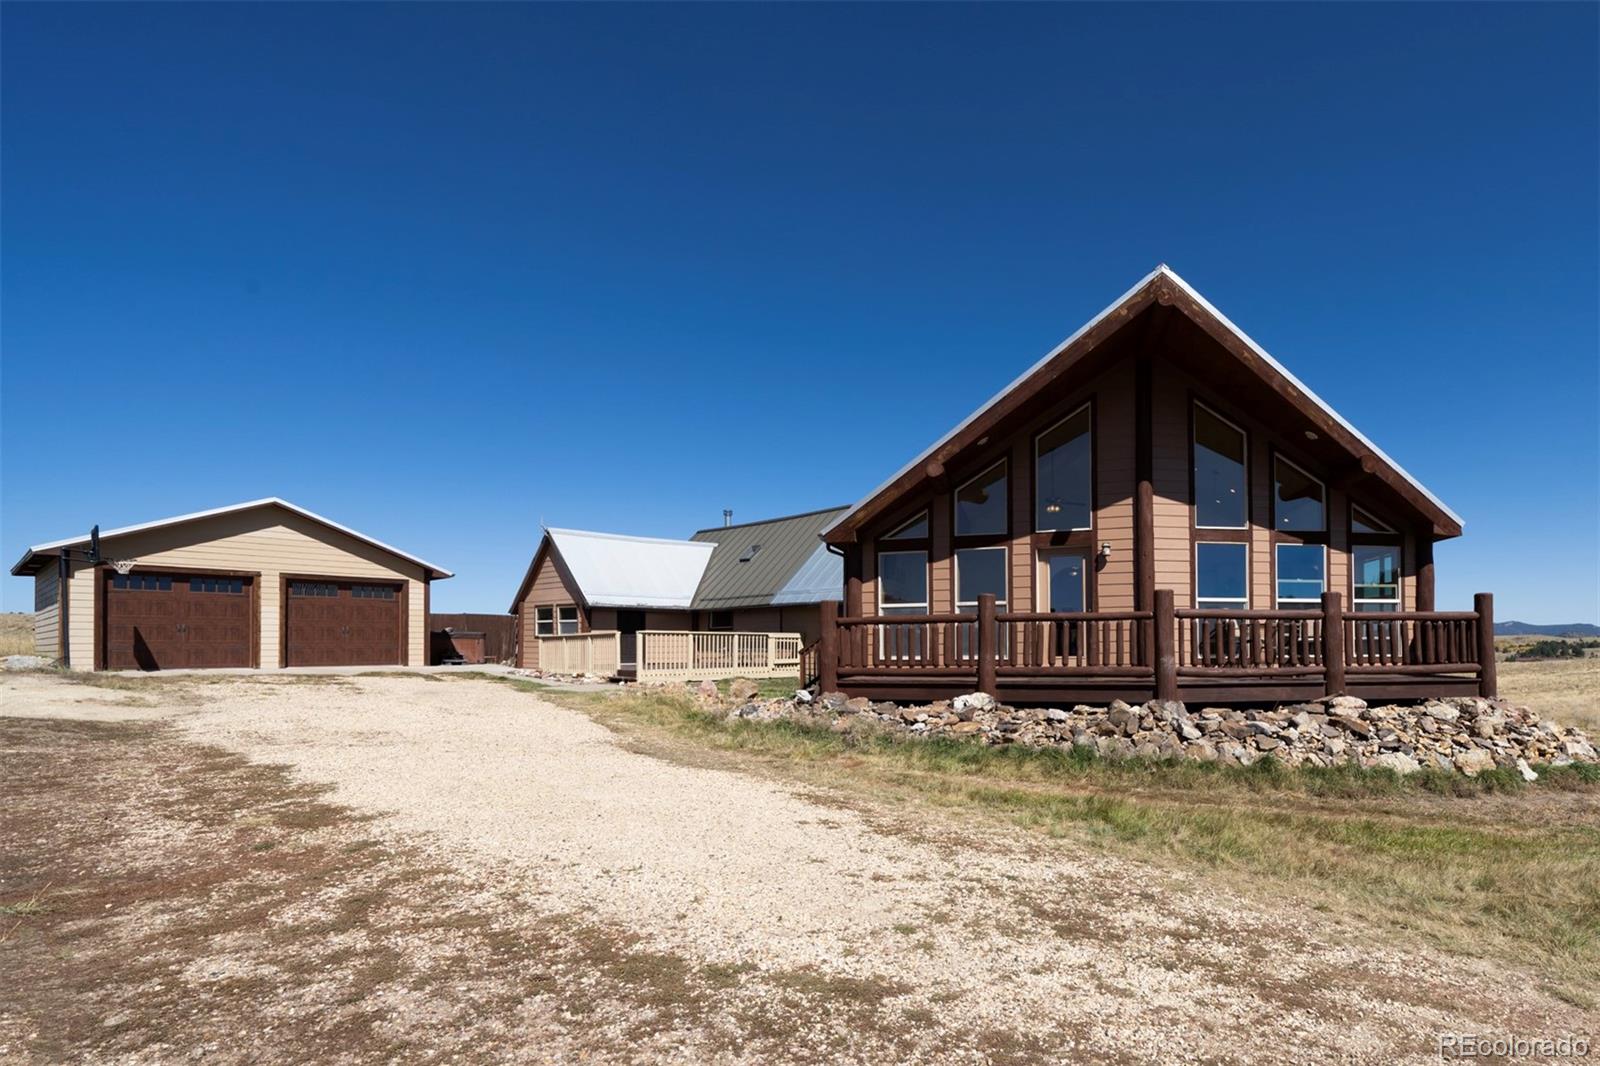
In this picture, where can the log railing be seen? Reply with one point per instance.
(1326, 646)
(682, 655)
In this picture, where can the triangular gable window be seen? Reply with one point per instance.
(916, 529)
(1363, 522)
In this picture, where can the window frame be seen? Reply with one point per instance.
(1308, 535)
(1195, 403)
(927, 582)
(1371, 606)
(1045, 582)
(1220, 603)
(1087, 405)
(540, 622)
(955, 575)
(712, 619)
(562, 622)
(1278, 599)
(1374, 528)
(895, 535)
(1004, 463)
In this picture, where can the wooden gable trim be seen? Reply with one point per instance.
(547, 549)
(1165, 291)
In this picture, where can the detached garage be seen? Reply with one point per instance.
(263, 583)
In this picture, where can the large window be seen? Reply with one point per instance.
(1375, 577)
(981, 503)
(1221, 576)
(1302, 576)
(1221, 488)
(1064, 485)
(979, 570)
(903, 582)
(544, 621)
(1297, 499)
(567, 620)
(902, 589)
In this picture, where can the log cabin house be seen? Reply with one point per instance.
(1157, 508)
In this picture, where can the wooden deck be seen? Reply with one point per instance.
(1217, 657)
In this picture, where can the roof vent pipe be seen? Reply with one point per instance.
(727, 517)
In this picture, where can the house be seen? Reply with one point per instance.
(757, 578)
(1157, 507)
(263, 583)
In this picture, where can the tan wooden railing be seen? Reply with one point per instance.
(681, 655)
(598, 653)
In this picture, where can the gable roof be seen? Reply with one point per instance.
(1162, 285)
(787, 546)
(613, 570)
(31, 559)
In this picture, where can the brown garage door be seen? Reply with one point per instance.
(342, 623)
(170, 621)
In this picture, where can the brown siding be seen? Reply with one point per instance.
(548, 589)
(1170, 473)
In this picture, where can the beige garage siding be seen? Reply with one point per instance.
(47, 613)
(267, 540)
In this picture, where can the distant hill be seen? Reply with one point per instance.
(1528, 629)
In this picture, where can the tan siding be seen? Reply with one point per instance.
(1339, 545)
(1019, 484)
(1170, 478)
(941, 564)
(1115, 485)
(869, 578)
(270, 541)
(47, 612)
(1262, 566)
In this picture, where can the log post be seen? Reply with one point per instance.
(1332, 644)
(1166, 659)
(1425, 598)
(828, 649)
(1488, 680)
(987, 678)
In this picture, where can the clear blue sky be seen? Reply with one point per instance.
(443, 272)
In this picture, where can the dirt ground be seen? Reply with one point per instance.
(408, 868)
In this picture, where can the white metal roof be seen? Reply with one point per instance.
(613, 570)
(270, 501)
(1160, 271)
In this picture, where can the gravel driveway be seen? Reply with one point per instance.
(1068, 953)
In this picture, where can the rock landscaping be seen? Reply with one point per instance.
(1466, 735)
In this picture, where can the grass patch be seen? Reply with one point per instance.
(1486, 865)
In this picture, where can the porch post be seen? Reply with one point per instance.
(1424, 548)
(987, 681)
(1166, 659)
(1488, 681)
(1332, 644)
(828, 649)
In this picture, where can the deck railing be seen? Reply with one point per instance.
(682, 655)
(1164, 647)
(598, 653)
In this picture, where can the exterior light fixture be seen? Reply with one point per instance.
(1105, 549)
(1311, 434)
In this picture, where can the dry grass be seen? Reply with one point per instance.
(1567, 690)
(16, 633)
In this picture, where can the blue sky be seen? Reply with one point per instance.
(445, 272)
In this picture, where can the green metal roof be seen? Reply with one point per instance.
(740, 576)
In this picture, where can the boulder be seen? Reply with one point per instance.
(1399, 762)
(977, 701)
(857, 704)
(1474, 761)
(707, 690)
(963, 729)
(1441, 712)
(741, 688)
(1527, 772)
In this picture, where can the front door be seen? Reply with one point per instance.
(628, 625)
(1064, 588)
